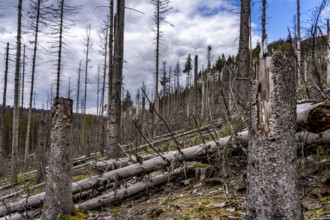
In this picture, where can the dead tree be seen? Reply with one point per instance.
(78, 87)
(14, 152)
(272, 167)
(244, 54)
(58, 197)
(114, 134)
(3, 111)
(161, 8)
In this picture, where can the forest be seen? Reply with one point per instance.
(244, 135)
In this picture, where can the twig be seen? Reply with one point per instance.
(152, 147)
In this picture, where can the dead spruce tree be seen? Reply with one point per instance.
(58, 197)
(15, 135)
(272, 166)
(161, 8)
(114, 133)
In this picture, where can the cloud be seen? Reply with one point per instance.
(197, 24)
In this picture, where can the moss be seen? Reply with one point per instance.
(77, 215)
(227, 129)
(81, 177)
(314, 213)
(166, 146)
(115, 212)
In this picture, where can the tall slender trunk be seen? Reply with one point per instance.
(113, 150)
(301, 77)
(28, 132)
(3, 112)
(195, 85)
(157, 57)
(59, 58)
(244, 54)
(14, 152)
(23, 79)
(78, 87)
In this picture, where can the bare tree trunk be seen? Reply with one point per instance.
(113, 149)
(14, 153)
(244, 54)
(301, 76)
(78, 87)
(59, 57)
(41, 153)
(195, 86)
(58, 198)
(28, 132)
(272, 167)
(3, 111)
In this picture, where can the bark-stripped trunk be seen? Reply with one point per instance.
(59, 56)
(195, 85)
(301, 77)
(3, 111)
(14, 152)
(41, 153)
(28, 132)
(58, 198)
(272, 167)
(113, 148)
(244, 53)
(78, 87)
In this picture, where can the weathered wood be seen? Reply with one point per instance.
(117, 195)
(272, 173)
(58, 198)
(191, 153)
(314, 116)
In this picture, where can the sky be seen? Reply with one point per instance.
(195, 25)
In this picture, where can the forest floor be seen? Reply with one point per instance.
(217, 190)
(212, 197)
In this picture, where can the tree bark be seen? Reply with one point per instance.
(3, 111)
(244, 54)
(114, 134)
(134, 189)
(58, 199)
(14, 152)
(272, 173)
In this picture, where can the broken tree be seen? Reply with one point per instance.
(58, 197)
(272, 167)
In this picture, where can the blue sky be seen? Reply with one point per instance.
(280, 15)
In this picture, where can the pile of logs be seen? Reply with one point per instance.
(314, 117)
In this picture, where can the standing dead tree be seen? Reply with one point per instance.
(14, 152)
(272, 166)
(161, 8)
(114, 134)
(58, 197)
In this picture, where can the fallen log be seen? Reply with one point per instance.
(117, 195)
(154, 164)
(314, 116)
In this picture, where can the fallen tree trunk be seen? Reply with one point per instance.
(315, 117)
(157, 163)
(117, 195)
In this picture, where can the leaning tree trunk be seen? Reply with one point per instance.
(58, 198)
(272, 167)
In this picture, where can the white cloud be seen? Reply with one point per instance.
(193, 31)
